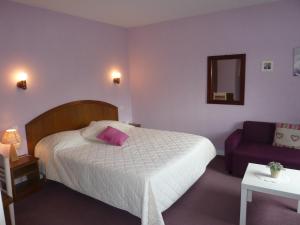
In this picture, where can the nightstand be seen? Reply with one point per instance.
(26, 170)
(135, 124)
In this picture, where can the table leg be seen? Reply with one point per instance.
(298, 210)
(249, 196)
(12, 214)
(9, 188)
(243, 209)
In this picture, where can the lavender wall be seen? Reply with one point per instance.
(168, 69)
(67, 58)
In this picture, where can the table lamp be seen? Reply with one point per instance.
(12, 137)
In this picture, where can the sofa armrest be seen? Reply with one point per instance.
(231, 143)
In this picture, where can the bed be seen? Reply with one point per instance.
(145, 176)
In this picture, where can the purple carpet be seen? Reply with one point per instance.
(213, 200)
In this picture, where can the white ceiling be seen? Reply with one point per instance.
(133, 13)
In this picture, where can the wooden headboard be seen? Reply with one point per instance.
(69, 116)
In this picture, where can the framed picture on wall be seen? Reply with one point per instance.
(267, 66)
(296, 70)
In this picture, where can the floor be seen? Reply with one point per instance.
(213, 200)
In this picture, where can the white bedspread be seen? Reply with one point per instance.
(144, 177)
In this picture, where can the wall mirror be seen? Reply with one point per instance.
(226, 79)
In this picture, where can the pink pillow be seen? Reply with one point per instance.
(112, 136)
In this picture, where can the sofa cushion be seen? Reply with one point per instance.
(258, 132)
(262, 153)
(287, 135)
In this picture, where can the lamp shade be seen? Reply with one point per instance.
(11, 136)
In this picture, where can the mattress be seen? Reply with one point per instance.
(145, 176)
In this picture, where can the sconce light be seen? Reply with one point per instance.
(22, 77)
(116, 75)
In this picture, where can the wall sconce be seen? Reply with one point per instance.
(116, 75)
(22, 77)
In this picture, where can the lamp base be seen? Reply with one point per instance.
(13, 154)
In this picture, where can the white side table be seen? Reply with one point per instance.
(9, 188)
(253, 180)
(5, 172)
(2, 218)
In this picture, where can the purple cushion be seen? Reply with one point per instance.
(269, 153)
(258, 132)
(263, 154)
(112, 136)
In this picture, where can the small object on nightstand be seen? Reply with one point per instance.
(135, 124)
(26, 166)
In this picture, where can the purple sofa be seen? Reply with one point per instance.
(253, 144)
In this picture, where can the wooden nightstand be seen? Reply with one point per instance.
(25, 167)
(135, 124)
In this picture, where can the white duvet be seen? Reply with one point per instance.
(144, 177)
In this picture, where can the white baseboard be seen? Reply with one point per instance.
(220, 152)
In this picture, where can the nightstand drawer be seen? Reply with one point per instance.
(29, 170)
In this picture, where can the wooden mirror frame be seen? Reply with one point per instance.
(210, 73)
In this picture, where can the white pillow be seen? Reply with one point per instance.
(95, 127)
(62, 140)
(287, 135)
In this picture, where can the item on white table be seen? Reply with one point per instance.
(275, 168)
